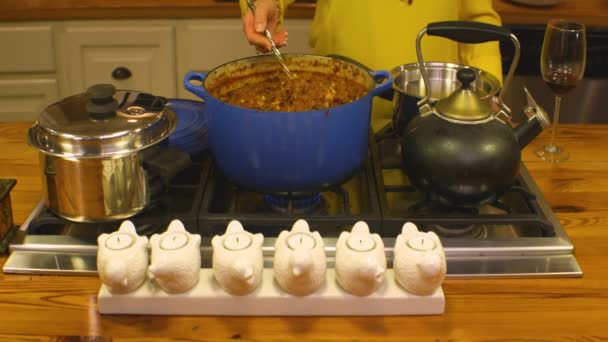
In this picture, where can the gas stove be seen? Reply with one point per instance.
(517, 236)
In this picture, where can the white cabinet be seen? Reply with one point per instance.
(43, 62)
(24, 99)
(27, 70)
(204, 44)
(136, 55)
(27, 47)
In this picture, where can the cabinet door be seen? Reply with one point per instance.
(137, 55)
(208, 43)
(24, 99)
(27, 47)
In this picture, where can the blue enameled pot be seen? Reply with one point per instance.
(287, 152)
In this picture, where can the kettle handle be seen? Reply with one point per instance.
(471, 32)
(468, 32)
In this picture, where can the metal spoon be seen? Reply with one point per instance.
(273, 46)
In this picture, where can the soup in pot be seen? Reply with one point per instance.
(308, 90)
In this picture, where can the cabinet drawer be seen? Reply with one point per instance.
(27, 48)
(24, 99)
(130, 57)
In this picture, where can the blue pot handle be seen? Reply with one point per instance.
(384, 86)
(196, 90)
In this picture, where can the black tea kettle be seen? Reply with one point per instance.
(460, 151)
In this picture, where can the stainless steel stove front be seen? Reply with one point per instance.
(551, 256)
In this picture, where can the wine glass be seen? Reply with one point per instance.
(562, 65)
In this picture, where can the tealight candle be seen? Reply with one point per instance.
(174, 240)
(119, 241)
(421, 243)
(237, 241)
(300, 240)
(361, 242)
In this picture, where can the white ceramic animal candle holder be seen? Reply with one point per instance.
(299, 260)
(122, 259)
(419, 260)
(237, 259)
(360, 260)
(176, 258)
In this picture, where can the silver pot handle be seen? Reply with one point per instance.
(468, 32)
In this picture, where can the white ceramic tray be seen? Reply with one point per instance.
(208, 299)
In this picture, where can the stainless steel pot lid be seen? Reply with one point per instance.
(102, 122)
(442, 77)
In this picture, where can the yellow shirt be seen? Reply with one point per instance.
(382, 35)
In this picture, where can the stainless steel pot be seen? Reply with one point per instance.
(409, 87)
(92, 148)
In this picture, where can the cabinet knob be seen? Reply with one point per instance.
(121, 73)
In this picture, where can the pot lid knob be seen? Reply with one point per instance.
(466, 76)
(101, 104)
(464, 104)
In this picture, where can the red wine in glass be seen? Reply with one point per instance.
(562, 64)
(561, 82)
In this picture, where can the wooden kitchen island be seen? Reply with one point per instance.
(49, 307)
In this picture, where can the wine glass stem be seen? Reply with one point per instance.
(558, 102)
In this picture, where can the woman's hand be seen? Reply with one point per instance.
(266, 17)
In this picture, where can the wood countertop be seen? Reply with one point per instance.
(48, 307)
(589, 12)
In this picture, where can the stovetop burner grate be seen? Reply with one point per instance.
(515, 214)
(337, 208)
(519, 236)
(293, 204)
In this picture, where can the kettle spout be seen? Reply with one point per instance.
(538, 120)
